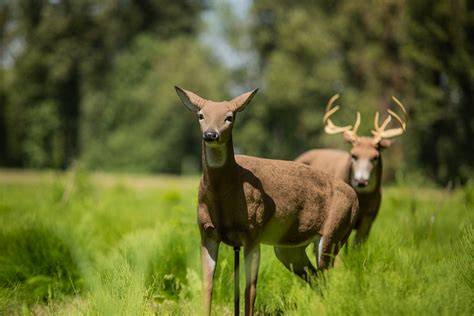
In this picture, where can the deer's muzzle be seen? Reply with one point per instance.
(361, 183)
(210, 136)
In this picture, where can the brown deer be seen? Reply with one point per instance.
(362, 167)
(248, 201)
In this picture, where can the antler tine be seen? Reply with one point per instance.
(385, 123)
(329, 126)
(356, 124)
(376, 120)
(329, 113)
(400, 105)
(403, 123)
(379, 129)
(331, 101)
(395, 115)
(380, 132)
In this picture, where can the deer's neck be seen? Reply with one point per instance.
(378, 174)
(215, 157)
(218, 162)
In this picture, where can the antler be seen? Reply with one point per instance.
(331, 128)
(379, 132)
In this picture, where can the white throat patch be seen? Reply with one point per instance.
(215, 155)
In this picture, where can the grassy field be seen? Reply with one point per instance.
(77, 243)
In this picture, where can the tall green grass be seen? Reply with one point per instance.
(71, 246)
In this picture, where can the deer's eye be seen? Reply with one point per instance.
(228, 118)
(376, 158)
(354, 157)
(200, 116)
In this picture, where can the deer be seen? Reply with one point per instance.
(361, 167)
(246, 201)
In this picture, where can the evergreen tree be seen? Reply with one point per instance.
(440, 52)
(418, 51)
(300, 69)
(137, 123)
(66, 49)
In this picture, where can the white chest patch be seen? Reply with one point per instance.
(215, 156)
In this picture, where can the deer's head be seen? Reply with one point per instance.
(365, 151)
(215, 118)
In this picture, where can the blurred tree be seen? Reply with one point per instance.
(4, 42)
(143, 126)
(301, 69)
(94, 79)
(64, 49)
(372, 36)
(368, 51)
(440, 51)
(3, 122)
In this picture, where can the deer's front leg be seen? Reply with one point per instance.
(209, 252)
(252, 262)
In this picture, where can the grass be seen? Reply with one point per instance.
(80, 244)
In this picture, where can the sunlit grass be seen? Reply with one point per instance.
(79, 244)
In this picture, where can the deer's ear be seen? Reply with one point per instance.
(384, 143)
(239, 103)
(192, 101)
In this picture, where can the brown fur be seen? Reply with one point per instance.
(246, 201)
(339, 164)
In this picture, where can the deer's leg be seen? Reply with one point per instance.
(296, 260)
(363, 230)
(209, 253)
(327, 251)
(252, 262)
(334, 237)
(337, 227)
(329, 246)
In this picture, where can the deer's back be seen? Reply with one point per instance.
(297, 196)
(285, 180)
(336, 163)
(277, 202)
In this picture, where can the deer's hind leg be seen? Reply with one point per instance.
(335, 233)
(296, 260)
(328, 248)
(338, 224)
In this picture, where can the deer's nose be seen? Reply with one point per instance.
(362, 183)
(210, 136)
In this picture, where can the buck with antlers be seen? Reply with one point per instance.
(246, 201)
(362, 167)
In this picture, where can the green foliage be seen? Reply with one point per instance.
(442, 79)
(56, 54)
(38, 261)
(300, 69)
(42, 146)
(93, 80)
(368, 51)
(129, 245)
(146, 120)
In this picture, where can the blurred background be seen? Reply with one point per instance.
(93, 80)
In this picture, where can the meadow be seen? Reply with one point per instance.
(78, 243)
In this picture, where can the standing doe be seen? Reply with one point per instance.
(362, 167)
(248, 201)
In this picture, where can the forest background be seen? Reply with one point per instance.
(92, 81)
